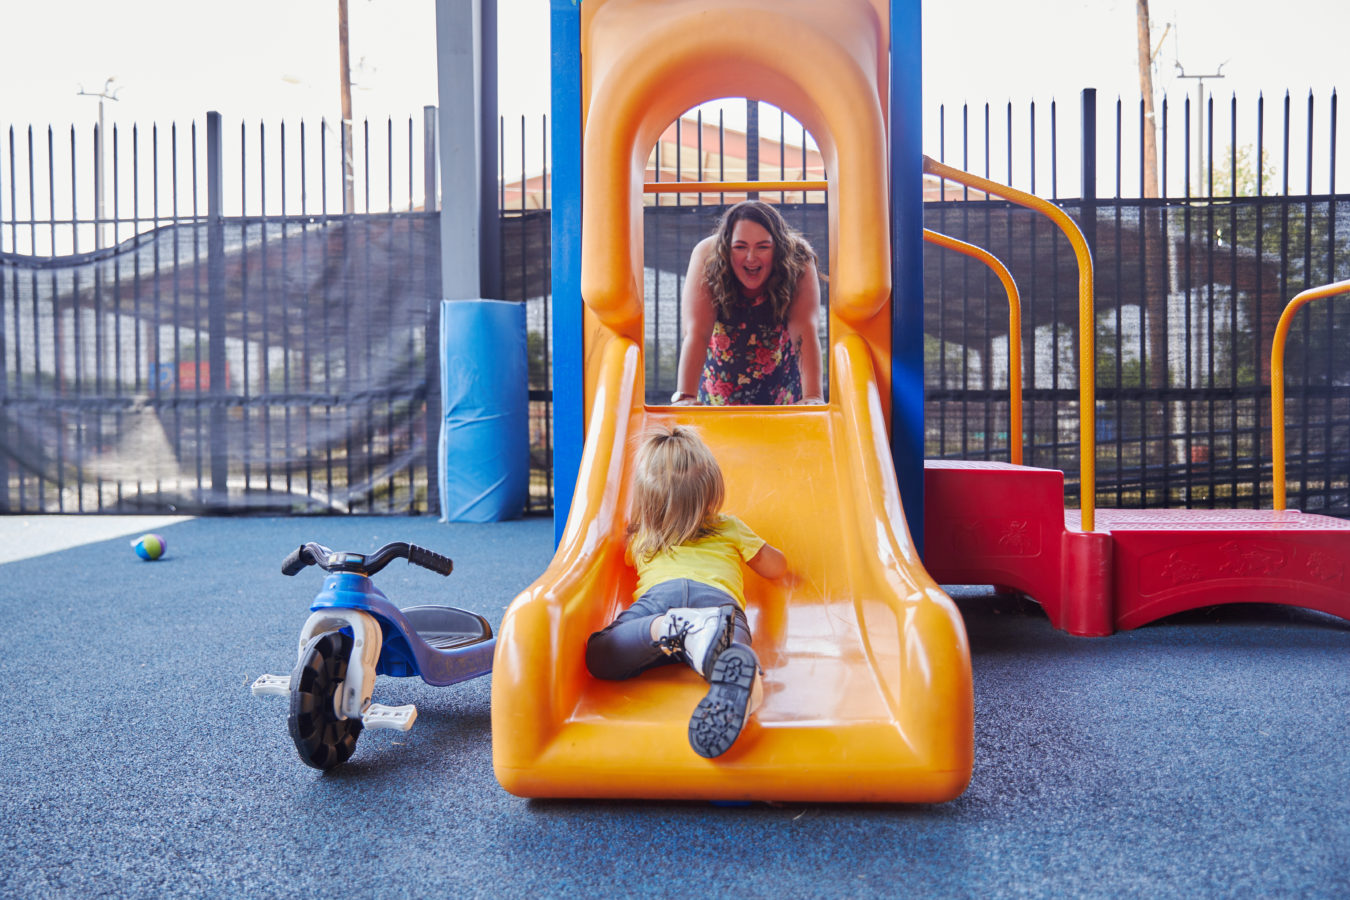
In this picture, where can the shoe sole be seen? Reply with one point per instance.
(724, 639)
(719, 717)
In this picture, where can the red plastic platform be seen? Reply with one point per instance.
(996, 523)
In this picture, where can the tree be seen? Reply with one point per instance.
(1299, 242)
(1241, 180)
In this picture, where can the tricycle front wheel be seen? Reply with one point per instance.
(323, 740)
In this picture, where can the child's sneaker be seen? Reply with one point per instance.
(719, 717)
(699, 635)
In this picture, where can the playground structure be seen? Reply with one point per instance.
(1097, 571)
(868, 672)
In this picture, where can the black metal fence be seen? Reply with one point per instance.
(1184, 328)
(1188, 291)
(222, 329)
(275, 348)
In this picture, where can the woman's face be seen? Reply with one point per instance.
(751, 255)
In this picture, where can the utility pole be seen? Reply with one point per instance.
(1146, 56)
(106, 94)
(345, 76)
(1153, 221)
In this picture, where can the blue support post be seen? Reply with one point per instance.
(906, 121)
(489, 216)
(485, 453)
(484, 442)
(569, 420)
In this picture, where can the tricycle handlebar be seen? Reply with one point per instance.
(313, 554)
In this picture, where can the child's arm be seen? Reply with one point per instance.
(769, 562)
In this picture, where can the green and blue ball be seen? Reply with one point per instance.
(149, 546)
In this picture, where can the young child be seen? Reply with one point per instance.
(690, 593)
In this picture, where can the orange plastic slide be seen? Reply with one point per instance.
(868, 689)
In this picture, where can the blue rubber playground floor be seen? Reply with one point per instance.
(1206, 755)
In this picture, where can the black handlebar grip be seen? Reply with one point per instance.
(296, 561)
(429, 559)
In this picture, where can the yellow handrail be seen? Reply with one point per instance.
(1087, 373)
(1277, 378)
(1014, 330)
(730, 187)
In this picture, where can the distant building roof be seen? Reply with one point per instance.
(690, 150)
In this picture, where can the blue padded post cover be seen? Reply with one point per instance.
(485, 437)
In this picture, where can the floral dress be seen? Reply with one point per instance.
(751, 359)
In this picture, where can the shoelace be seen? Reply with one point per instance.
(672, 642)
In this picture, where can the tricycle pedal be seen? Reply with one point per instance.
(377, 715)
(272, 685)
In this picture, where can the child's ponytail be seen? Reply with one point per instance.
(677, 492)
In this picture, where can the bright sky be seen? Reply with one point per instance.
(264, 60)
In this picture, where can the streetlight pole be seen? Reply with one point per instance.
(1200, 120)
(106, 94)
(345, 76)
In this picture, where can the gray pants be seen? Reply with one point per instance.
(624, 648)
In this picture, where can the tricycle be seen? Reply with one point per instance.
(355, 633)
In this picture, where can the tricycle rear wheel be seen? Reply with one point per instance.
(323, 740)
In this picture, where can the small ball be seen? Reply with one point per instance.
(149, 546)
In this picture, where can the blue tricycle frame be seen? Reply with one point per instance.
(353, 634)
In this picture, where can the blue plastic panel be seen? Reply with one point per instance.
(569, 425)
(906, 121)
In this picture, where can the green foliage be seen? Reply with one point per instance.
(1131, 371)
(1240, 180)
(1299, 244)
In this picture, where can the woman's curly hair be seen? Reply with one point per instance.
(791, 256)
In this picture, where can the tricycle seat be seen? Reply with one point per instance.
(445, 627)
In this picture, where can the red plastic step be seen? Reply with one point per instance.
(1166, 561)
(996, 523)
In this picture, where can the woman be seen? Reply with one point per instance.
(749, 307)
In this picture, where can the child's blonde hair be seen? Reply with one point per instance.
(677, 492)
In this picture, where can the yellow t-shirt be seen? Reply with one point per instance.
(715, 560)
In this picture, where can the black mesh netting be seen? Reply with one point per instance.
(295, 368)
(257, 365)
